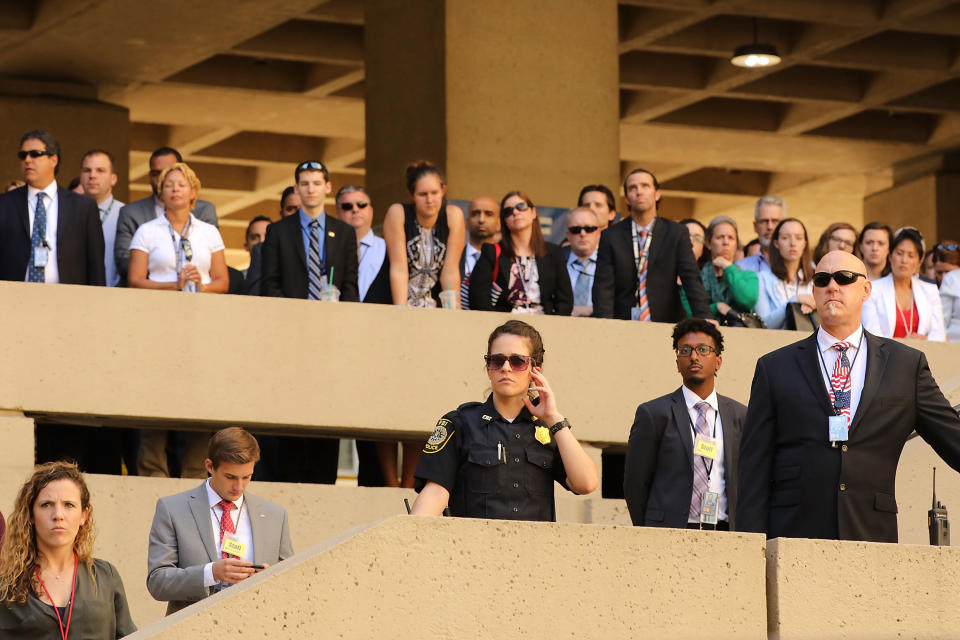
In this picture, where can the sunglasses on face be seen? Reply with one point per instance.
(348, 206)
(33, 153)
(187, 249)
(686, 350)
(495, 361)
(843, 277)
(520, 206)
(576, 230)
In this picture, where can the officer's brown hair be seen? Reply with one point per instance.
(522, 329)
(233, 445)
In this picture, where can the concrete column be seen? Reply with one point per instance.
(79, 125)
(495, 94)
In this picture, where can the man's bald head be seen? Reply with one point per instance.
(839, 305)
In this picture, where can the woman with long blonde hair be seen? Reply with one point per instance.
(50, 583)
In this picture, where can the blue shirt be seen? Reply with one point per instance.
(757, 262)
(371, 252)
(574, 268)
(305, 221)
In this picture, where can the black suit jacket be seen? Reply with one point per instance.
(556, 295)
(615, 283)
(658, 473)
(793, 483)
(79, 238)
(285, 262)
(379, 290)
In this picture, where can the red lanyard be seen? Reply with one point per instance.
(63, 632)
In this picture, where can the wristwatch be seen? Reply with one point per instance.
(560, 425)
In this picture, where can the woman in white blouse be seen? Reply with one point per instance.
(177, 251)
(789, 278)
(901, 305)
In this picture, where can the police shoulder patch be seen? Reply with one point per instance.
(440, 436)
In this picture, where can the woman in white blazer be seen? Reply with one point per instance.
(901, 305)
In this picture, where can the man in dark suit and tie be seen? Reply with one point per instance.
(47, 233)
(210, 537)
(299, 255)
(146, 209)
(640, 258)
(828, 418)
(681, 465)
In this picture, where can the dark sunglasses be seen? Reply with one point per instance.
(517, 362)
(311, 165)
(187, 249)
(702, 350)
(576, 230)
(843, 278)
(506, 212)
(33, 153)
(947, 246)
(348, 206)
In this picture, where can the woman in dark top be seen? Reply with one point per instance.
(523, 273)
(424, 240)
(500, 458)
(50, 584)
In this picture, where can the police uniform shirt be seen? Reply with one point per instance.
(492, 468)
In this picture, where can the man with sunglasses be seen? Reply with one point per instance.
(828, 418)
(47, 233)
(583, 236)
(373, 275)
(681, 464)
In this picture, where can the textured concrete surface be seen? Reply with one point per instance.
(460, 578)
(857, 590)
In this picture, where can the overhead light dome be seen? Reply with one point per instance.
(753, 56)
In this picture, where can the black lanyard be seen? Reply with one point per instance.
(838, 410)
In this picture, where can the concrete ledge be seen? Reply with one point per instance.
(851, 590)
(459, 578)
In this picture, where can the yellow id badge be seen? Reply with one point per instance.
(542, 435)
(705, 447)
(233, 546)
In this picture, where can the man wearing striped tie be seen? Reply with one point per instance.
(828, 418)
(640, 258)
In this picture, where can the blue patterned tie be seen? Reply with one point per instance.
(314, 266)
(35, 273)
(581, 290)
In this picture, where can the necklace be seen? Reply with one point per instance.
(908, 328)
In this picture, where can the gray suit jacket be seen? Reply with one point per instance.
(135, 214)
(182, 543)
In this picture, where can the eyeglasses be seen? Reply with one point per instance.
(947, 246)
(702, 350)
(311, 165)
(576, 230)
(696, 238)
(348, 206)
(33, 153)
(843, 278)
(506, 212)
(517, 362)
(843, 242)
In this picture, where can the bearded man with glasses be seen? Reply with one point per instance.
(681, 465)
(828, 418)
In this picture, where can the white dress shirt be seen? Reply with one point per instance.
(371, 252)
(716, 480)
(109, 214)
(241, 524)
(51, 273)
(471, 256)
(858, 371)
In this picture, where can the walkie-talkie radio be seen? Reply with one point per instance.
(937, 519)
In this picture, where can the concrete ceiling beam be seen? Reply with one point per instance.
(308, 41)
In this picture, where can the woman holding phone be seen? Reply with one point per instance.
(499, 458)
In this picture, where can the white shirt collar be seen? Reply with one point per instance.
(471, 251)
(50, 190)
(214, 498)
(692, 399)
(826, 341)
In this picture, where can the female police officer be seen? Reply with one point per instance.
(499, 458)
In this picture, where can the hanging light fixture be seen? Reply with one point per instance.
(755, 55)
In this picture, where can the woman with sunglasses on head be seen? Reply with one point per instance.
(789, 277)
(500, 458)
(424, 240)
(50, 584)
(901, 305)
(178, 251)
(523, 273)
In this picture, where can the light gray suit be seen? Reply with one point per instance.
(182, 543)
(135, 214)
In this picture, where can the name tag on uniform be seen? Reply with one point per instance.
(233, 546)
(635, 313)
(40, 256)
(838, 428)
(708, 507)
(705, 447)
